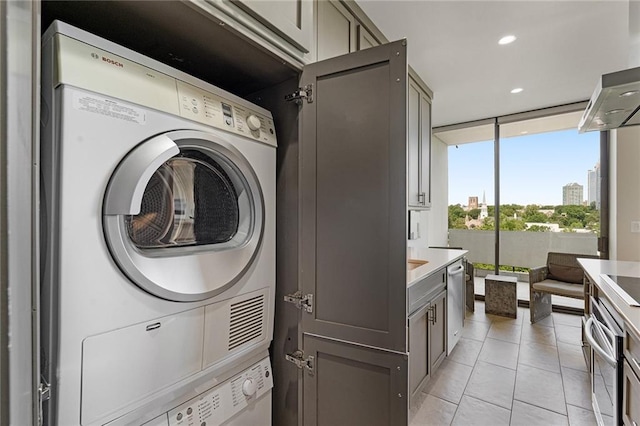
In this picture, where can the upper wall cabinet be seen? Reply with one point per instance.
(418, 144)
(340, 31)
(292, 19)
(281, 27)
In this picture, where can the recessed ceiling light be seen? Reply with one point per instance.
(517, 90)
(507, 39)
(629, 93)
(524, 132)
(613, 111)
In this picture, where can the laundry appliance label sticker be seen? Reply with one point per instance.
(109, 108)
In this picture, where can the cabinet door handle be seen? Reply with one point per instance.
(434, 314)
(422, 198)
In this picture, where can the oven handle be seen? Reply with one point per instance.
(592, 341)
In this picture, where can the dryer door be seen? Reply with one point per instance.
(183, 215)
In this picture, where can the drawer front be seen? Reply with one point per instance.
(424, 290)
(630, 397)
(632, 350)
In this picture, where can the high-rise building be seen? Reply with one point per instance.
(572, 194)
(593, 186)
(473, 203)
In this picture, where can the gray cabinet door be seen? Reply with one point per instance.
(354, 385)
(419, 366)
(419, 145)
(425, 149)
(336, 30)
(438, 330)
(292, 19)
(413, 144)
(353, 197)
(365, 38)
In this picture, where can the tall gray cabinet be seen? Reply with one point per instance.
(352, 239)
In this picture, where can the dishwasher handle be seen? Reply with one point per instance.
(588, 327)
(455, 271)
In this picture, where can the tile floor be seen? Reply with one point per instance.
(509, 372)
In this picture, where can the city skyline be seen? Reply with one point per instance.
(534, 168)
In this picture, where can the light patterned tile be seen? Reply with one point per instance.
(571, 356)
(523, 414)
(492, 383)
(434, 411)
(449, 380)
(580, 417)
(568, 334)
(577, 387)
(472, 411)
(539, 334)
(475, 330)
(504, 330)
(500, 353)
(466, 351)
(567, 319)
(541, 388)
(539, 356)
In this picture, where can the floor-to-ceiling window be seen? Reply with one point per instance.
(548, 191)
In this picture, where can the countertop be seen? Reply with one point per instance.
(437, 258)
(595, 267)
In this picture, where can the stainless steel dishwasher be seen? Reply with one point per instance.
(455, 303)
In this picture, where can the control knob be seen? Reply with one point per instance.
(253, 123)
(249, 387)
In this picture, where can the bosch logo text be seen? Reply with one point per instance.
(112, 62)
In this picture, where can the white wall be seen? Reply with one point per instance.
(433, 222)
(439, 214)
(625, 194)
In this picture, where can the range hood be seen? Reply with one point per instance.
(615, 102)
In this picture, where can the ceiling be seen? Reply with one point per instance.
(562, 48)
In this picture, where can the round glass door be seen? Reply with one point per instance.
(191, 224)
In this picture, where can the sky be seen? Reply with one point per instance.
(533, 168)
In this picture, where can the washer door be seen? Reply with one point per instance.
(183, 215)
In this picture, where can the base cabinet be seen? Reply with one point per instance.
(349, 384)
(630, 397)
(419, 368)
(427, 342)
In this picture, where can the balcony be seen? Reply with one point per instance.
(521, 249)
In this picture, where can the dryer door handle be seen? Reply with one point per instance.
(127, 185)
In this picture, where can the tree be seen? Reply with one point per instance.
(456, 212)
(474, 213)
(537, 228)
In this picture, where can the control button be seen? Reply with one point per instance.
(271, 131)
(194, 101)
(189, 410)
(179, 416)
(253, 123)
(266, 373)
(195, 110)
(228, 120)
(249, 387)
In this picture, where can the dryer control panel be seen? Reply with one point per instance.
(226, 400)
(213, 110)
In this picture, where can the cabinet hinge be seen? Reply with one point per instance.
(298, 358)
(44, 394)
(300, 301)
(305, 92)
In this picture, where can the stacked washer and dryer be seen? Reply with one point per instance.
(158, 242)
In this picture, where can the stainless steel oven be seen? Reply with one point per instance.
(604, 333)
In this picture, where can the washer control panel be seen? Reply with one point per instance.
(213, 110)
(226, 400)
